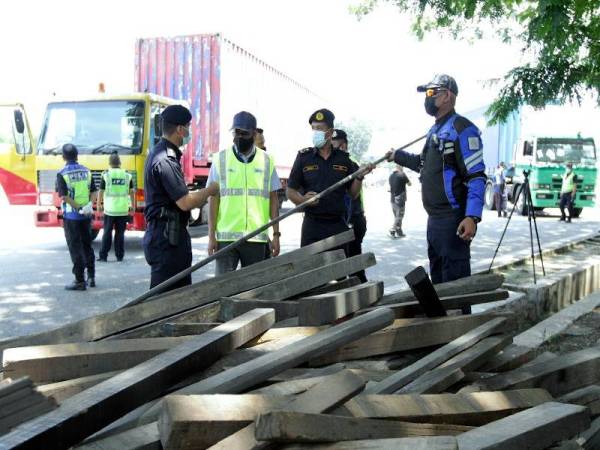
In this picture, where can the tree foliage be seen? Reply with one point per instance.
(359, 137)
(560, 40)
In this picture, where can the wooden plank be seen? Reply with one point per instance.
(510, 358)
(287, 427)
(14, 385)
(406, 334)
(232, 307)
(171, 329)
(411, 309)
(59, 362)
(298, 373)
(474, 357)
(141, 438)
(437, 357)
(167, 305)
(199, 421)
(322, 398)
(590, 438)
(64, 389)
(330, 287)
(424, 292)
(588, 396)
(327, 308)
(28, 401)
(91, 410)
(310, 279)
(462, 286)
(23, 415)
(15, 396)
(476, 408)
(434, 381)
(416, 443)
(559, 376)
(536, 428)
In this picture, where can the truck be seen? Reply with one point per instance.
(17, 158)
(539, 143)
(212, 76)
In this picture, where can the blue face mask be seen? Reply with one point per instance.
(319, 139)
(186, 139)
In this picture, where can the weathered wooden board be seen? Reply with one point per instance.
(232, 307)
(62, 390)
(417, 443)
(424, 292)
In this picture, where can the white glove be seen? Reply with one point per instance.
(87, 210)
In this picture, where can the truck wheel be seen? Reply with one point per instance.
(489, 197)
(577, 212)
(521, 209)
(95, 234)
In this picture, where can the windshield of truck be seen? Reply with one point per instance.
(97, 127)
(559, 151)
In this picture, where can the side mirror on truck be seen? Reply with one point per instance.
(19, 122)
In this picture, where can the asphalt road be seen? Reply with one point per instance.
(35, 265)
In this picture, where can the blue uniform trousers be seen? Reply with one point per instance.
(449, 255)
(165, 259)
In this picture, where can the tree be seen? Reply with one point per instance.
(359, 137)
(561, 39)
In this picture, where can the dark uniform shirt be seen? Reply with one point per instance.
(398, 182)
(311, 172)
(163, 180)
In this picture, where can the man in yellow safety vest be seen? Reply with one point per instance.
(116, 199)
(248, 185)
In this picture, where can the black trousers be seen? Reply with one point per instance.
(78, 234)
(566, 201)
(359, 224)
(316, 229)
(119, 224)
(166, 260)
(247, 254)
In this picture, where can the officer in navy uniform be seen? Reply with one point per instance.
(452, 174)
(315, 169)
(167, 244)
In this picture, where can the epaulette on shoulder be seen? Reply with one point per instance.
(462, 123)
(171, 153)
(305, 150)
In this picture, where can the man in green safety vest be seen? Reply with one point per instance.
(567, 193)
(76, 188)
(117, 200)
(247, 199)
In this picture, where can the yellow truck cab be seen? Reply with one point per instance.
(17, 158)
(127, 124)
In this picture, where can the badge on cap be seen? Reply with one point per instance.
(319, 116)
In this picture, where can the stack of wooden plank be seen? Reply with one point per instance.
(294, 352)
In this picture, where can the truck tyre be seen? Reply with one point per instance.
(521, 209)
(489, 197)
(577, 212)
(95, 234)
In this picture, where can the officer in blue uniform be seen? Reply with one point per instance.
(167, 244)
(315, 169)
(452, 175)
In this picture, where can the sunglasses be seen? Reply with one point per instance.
(432, 92)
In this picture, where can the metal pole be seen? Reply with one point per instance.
(184, 273)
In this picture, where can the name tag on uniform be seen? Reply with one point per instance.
(309, 168)
(117, 182)
(473, 143)
(340, 168)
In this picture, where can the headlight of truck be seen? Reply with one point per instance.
(46, 199)
(588, 187)
(541, 186)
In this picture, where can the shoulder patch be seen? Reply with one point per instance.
(171, 153)
(462, 123)
(305, 150)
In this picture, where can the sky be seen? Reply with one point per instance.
(368, 69)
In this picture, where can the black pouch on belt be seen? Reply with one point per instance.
(173, 225)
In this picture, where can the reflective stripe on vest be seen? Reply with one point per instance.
(567, 183)
(116, 192)
(244, 190)
(78, 180)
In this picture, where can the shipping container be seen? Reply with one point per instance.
(218, 78)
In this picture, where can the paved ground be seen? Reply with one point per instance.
(35, 264)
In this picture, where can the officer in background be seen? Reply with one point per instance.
(452, 175)
(247, 199)
(76, 188)
(259, 139)
(398, 182)
(356, 213)
(167, 244)
(116, 198)
(567, 193)
(315, 169)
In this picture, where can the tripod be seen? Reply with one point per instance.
(528, 205)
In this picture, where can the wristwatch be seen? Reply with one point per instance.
(475, 219)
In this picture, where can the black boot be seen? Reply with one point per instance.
(91, 282)
(76, 286)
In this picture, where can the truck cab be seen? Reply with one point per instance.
(128, 125)
(546, 158)
(17, 158)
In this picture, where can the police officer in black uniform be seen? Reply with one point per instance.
(167, 244)
(314, 170)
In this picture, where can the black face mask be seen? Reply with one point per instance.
(430, 106)
(244, 144)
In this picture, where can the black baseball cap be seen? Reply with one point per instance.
(340, 134)
(440, 81)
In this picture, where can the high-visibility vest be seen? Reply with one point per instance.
(78, 179)
(567, 183)
(244, 192)
(116, 193)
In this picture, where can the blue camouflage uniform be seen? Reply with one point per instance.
(452, 174)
